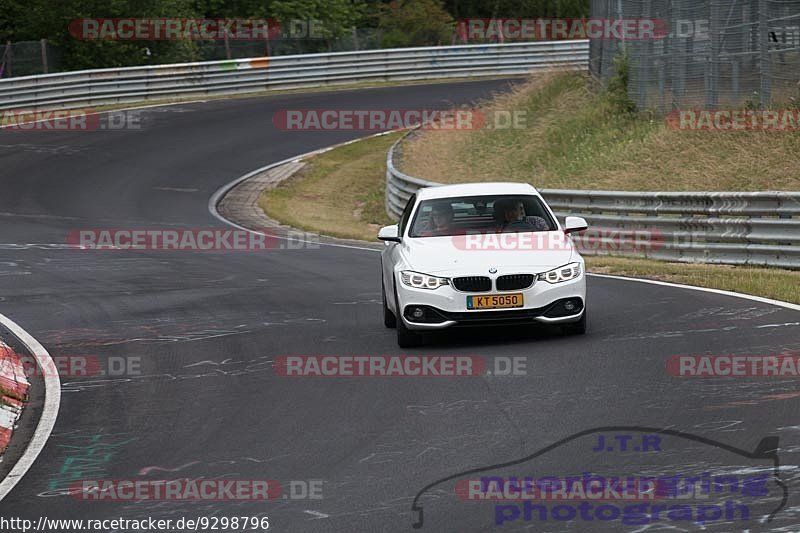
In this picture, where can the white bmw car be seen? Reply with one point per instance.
(480, 254)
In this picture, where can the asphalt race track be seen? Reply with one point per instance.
(207, 326)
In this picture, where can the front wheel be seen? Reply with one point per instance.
(407, 338)
(389, 320)
(576, 328)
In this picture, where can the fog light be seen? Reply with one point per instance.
(418, 313)
(569, 305)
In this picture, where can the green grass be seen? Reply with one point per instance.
(339, 193)
(575, 137)
(766, 282)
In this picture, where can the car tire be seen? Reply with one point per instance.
(389, 320)
(407, 338)
(576, 328)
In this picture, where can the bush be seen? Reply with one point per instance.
(617, 89)
(415, 23)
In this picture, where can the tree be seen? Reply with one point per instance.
(415, 23)
(518, 8)
(325, 19)
(51, 20)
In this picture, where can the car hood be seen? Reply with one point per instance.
(450, 255)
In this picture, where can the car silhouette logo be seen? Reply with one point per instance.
(766, 450)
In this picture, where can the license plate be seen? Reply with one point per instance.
(494, 301)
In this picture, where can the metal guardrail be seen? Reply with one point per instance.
(736, 228)
(240, 76)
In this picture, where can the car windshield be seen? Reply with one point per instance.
(481, 214)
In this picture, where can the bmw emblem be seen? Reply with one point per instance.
(492, 270)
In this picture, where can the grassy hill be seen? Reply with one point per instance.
(577, 138)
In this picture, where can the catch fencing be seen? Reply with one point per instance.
(718, 53)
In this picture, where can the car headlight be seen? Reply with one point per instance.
(560, 274)
(422, 281)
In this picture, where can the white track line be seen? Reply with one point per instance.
(52, 400)
(759, 299)
(222, 191)
(225, 189)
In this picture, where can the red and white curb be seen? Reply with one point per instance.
(51, 403)
(13, 393)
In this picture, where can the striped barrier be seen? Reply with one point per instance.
(13, 392)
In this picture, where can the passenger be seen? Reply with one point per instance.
(441, 218)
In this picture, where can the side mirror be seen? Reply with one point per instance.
(575, 224)
(389, 233)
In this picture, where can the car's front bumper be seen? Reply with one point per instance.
(446, 307)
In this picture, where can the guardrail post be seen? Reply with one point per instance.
(764, 60)
(43, 44)
(9, 56)
(227, 44)
(712, 72)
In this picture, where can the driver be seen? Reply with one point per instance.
(514, 211)
(511, 216)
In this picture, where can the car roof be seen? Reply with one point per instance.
(475, 189)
